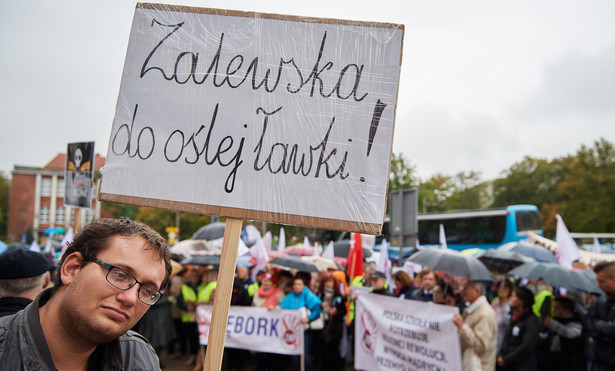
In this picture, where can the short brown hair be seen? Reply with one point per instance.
(600, 266)
(95, 237)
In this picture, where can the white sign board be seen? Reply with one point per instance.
(257, 116)
(399, 334)
(257, 329)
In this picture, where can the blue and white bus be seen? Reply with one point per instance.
(485, 229)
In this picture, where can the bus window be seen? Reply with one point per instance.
(528, 221)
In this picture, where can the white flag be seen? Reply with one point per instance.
(329, 252)
(442, 238)
(567, 250)
(260, 256)
(35, 247)
(384, 263)
(306, 242)
(282, 240)
(267, 238)
(317, 249)
(597, 248)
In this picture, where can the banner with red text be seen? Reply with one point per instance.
(258, 329)
(398, 334)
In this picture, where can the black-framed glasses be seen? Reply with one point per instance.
(120, 279)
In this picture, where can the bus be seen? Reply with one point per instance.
(485, 229)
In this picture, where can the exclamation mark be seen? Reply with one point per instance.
(374, 125)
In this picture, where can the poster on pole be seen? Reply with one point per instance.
(257, 329)
(78, 175)
(398, 334)
(247, 115)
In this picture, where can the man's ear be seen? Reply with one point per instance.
(71, 267)
(47, 280)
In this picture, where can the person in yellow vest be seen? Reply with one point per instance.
(187, 302)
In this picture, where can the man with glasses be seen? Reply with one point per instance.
(107, 279)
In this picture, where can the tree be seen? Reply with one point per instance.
(402, 173)
(587, 191)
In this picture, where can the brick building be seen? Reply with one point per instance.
(37, 199)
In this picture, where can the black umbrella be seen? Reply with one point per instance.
(556, 275)
(341, 249)
(500, 261)
(293, 262)
(202, 260)
(531, 250)
(453, 262)
(209, 232)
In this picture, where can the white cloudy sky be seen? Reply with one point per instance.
(483, 83)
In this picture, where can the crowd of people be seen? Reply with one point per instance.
(505, 325)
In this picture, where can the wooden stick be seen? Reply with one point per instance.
(77, 224)
(222, 301)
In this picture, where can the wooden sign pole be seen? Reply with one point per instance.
(77, 224)
(222, 300)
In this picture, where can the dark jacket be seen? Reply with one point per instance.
(601, 326)
(519, 345)
(11, 305)
(422, 295)
(23, 345)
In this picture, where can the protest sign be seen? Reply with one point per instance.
(257, 329)
(397, 334)
(78, 175)
(256, 116)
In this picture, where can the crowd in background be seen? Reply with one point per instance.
(507, 325)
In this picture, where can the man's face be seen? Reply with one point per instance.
(606, 280)
(470, 293)
(378, 283)
(515, 302)
(298, 286)
(429, 281)
(242, 273)
(97, 311)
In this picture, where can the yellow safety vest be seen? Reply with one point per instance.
(190, 296)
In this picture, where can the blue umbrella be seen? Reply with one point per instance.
(536, 252)
(3, 247)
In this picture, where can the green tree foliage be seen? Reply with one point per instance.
(580, 187)
(402, 175)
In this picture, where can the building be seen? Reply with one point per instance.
(37, 199)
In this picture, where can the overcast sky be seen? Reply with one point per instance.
(483, 83)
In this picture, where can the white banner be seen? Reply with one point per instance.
(272, 114)
(398, 334)
(258, 329)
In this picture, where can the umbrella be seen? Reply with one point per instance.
(536, 252)
(187, 248)
(321, 263)
(209, 232)
(293, 262)
(56, 230)
(556, 275)
(453, 262)
(299, 250)
(3, 247)
(202, 260)
(501, 261)
(341, 249)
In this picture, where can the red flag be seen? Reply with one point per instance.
(355, 257)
